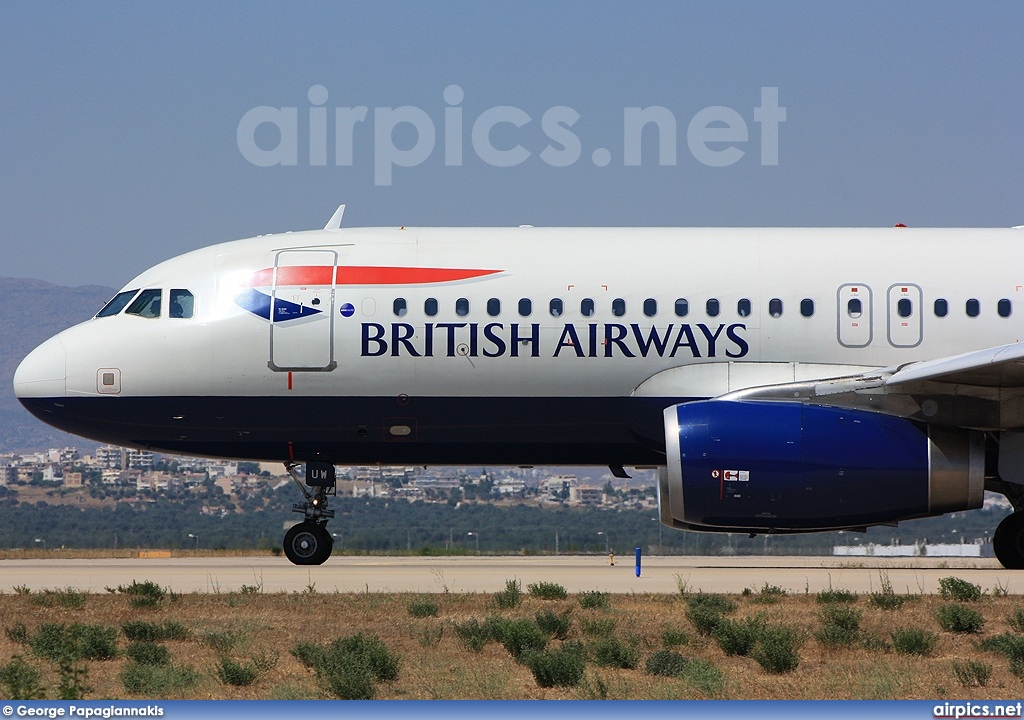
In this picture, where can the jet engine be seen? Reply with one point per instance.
(767, 466)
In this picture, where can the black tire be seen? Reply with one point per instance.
(308, 544)
(1008, 541)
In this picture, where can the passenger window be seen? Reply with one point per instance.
(854, 308)
(182, 304)
(462, 307)
(904, 308)
(430, 307)
(743, 308)
(494, 307)
(618, 307)
(682, 307)
(1005, 308)
(973, 308)
(807, 307)
(555, 306)
(525, 307)
(775, 307)
(146, 305)
(712, 308)
(117, 303)
(399, 307)
(587, 307)
(650, 307)
(941, 308)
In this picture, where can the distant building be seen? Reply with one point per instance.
(139, 459)
(109, 456)
(73, 479)
(589, 495)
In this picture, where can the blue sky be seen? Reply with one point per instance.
(119, 121)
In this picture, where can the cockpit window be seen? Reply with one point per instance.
(146, 305)
(117, 303)
(181, 304)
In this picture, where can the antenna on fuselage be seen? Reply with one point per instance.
(335, 222)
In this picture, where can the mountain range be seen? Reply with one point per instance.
(33, 310)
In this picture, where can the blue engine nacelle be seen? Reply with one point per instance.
(790, 467)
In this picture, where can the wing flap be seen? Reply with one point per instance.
(997, 367)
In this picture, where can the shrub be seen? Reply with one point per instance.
(350, 665)
(888, 601)
(422, 607)
(554, 624)
(776, 649)
(705, 619)
(370, 650)
(17, 633)
(885, 598)
(140, 630)
(840, 625)
(594, 600)
(737, 637)
(913, 641)
(959, 618)
(142, 594)
(73, 679)
(835, 596)
(57, 641)
(510, 597)
(769, 594)
(673, 637)
(597, 627)
(953, 588)
(221, 640)
(472, 634)
(157, 680)
(719, 603)
(612, 652)
(520, 637)
(1009, 645)
(67, 597)
(556, 668)
(20, 680)
(665, 662)
(146, 652)
(547, 591)
(972, 673)
(1016, 620)
(235, 673)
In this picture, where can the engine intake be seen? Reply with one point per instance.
(792, 467)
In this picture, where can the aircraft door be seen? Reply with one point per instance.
(855, 315)
(302, 311)
(905, 315)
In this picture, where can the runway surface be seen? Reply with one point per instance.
(488, 574)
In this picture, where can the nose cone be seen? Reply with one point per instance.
(41, 374)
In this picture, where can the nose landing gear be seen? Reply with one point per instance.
(309, 542)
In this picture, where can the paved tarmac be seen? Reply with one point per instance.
(660, 574)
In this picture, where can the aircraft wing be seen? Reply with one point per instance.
(997, 367)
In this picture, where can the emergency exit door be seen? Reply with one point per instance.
(905, 315)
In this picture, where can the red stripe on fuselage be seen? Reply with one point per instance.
(361, 275)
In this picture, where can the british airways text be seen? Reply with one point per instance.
(492, 340)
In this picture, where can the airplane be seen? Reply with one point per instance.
(780, 380)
